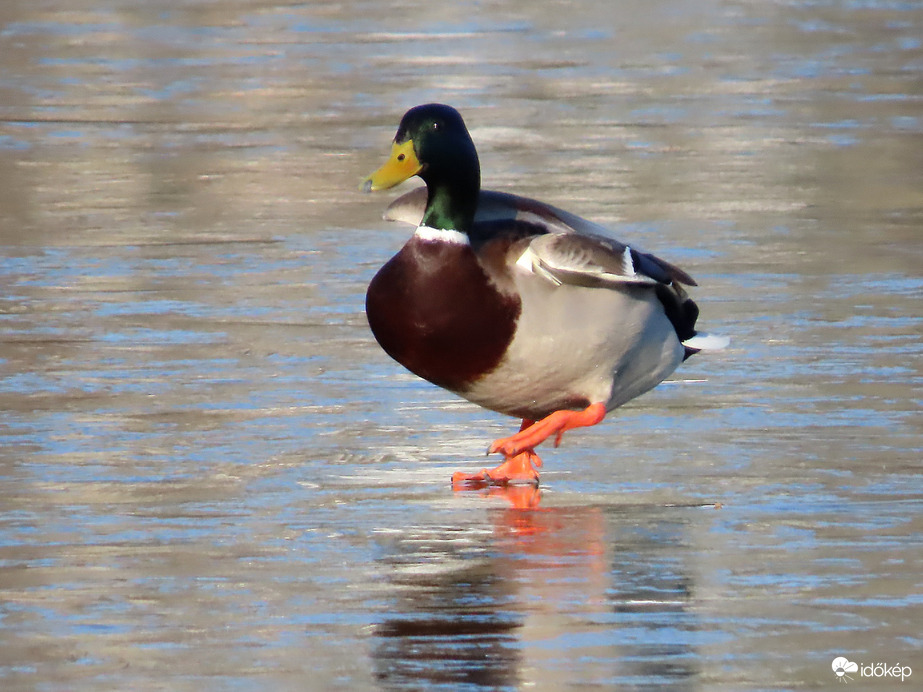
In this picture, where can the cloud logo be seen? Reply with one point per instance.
(841, 666)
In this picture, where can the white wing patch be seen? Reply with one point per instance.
(628, 264)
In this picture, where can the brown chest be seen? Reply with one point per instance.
(434, 309)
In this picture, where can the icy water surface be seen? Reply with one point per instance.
(212, 477)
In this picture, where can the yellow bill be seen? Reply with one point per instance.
(401, 165)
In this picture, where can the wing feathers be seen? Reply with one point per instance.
(583, 260)
(572, 250)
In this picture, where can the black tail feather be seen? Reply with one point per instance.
(680, 310)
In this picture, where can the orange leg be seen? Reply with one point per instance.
(555, 424)
(516, 468)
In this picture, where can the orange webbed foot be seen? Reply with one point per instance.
(518, 469)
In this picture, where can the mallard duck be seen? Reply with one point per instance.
(516, 305)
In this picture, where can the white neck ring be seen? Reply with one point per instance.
(439, 235)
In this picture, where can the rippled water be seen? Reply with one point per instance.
(213, 478)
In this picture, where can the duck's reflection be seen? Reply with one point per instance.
(450, 630)
(545, 596)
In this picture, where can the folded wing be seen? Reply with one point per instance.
(572, 250)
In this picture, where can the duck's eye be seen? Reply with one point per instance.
(401, 157)
(437, 126)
